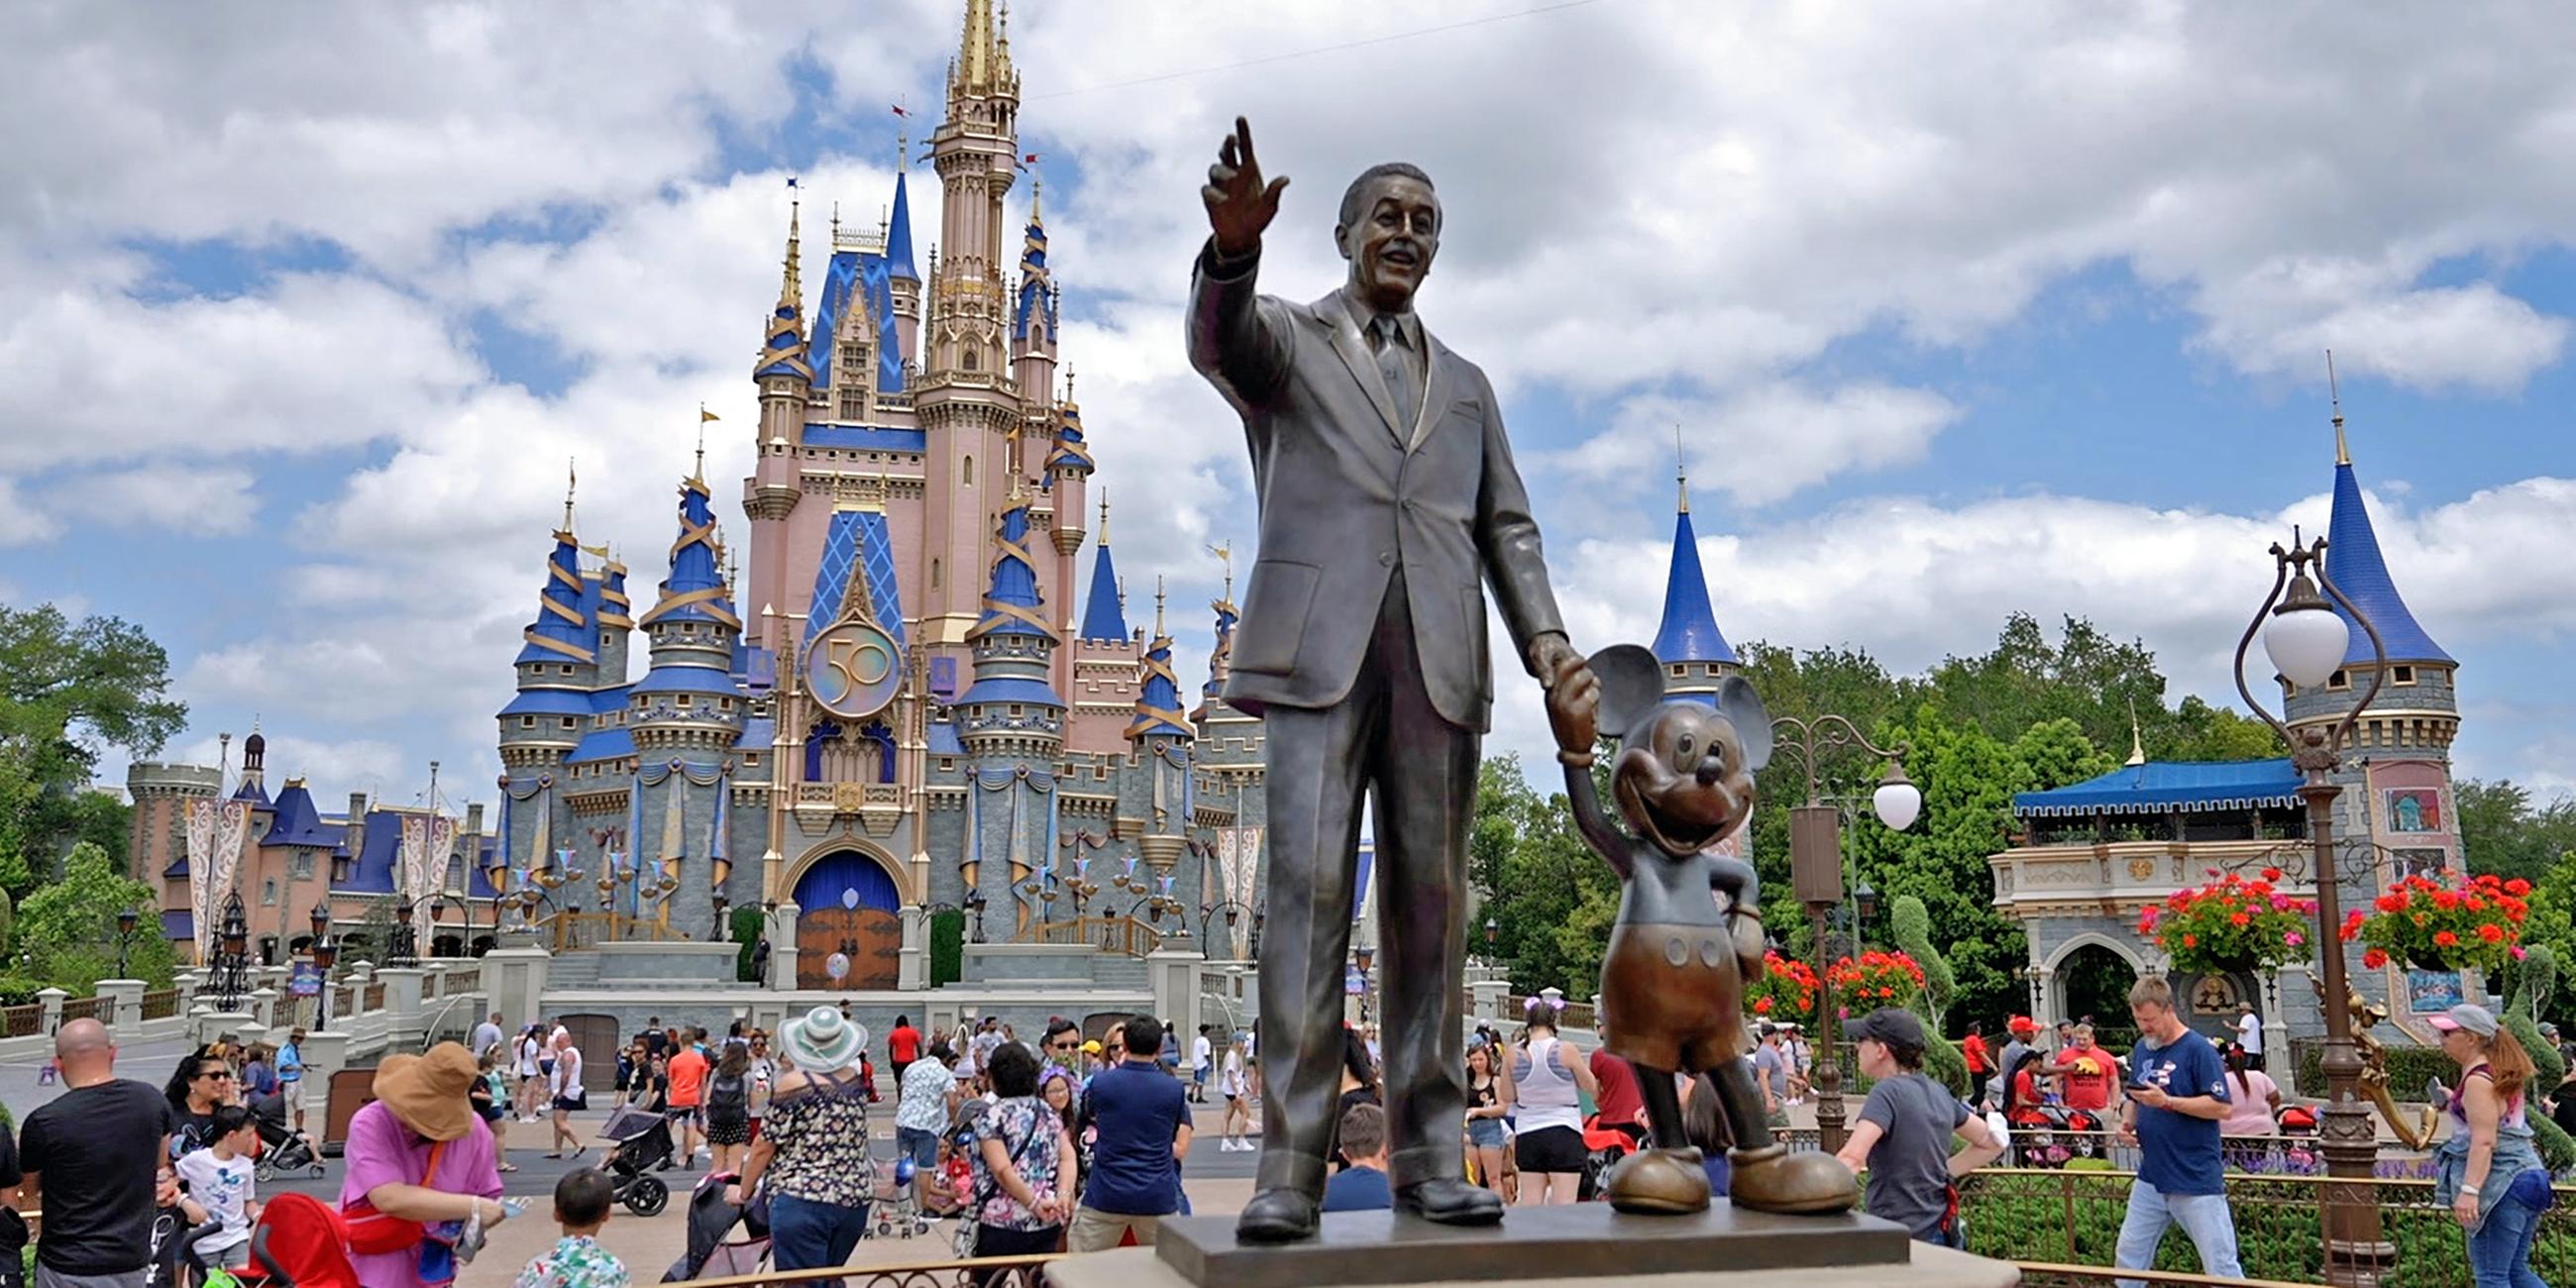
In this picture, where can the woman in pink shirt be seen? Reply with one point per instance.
(2250, 1106)
(418, 1157)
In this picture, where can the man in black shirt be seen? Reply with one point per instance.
(93, 1153)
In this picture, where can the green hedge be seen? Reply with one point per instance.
(2024, 1216)
(2408, 1070)
(15, 991)
(947, 946)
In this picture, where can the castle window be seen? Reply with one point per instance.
(268, 893)
(527, 722)
(2339, 682)
(934, 574)
(966, 474)
(971, 360)
(684, 701)
(2402, 675)
(300, 867)
(854, 404)
(567, 722)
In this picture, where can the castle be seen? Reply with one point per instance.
(895, 710)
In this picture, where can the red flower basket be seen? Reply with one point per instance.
(1785, 992)
(2426, 923)
(1877, 979)
(2231, 924)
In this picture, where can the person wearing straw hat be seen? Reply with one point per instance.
(418, 1156)
(813, 1146)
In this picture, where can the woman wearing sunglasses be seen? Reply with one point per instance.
(201, 1084)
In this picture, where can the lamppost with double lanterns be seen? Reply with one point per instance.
(975, 903)
(1233, 910)
(326, 954)
(2307, 641)
(1816, 873)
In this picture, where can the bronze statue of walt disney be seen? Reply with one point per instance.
(1689, 932)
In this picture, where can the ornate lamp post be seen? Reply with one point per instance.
(1816, 874)
(437, 914)
(125, 923)
(975, 902)
(326, 954)
(1366, 956)
(232, 956)
(2306, 642)
(321, 920)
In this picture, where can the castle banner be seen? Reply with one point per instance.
(217, 831)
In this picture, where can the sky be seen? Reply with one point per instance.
(1959, 309)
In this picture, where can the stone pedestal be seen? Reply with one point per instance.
(515, 979)
(782, 944)
(913, 972)
(123, 1011)
(1577, 1244)
(325, 1054)
(1174, 976)
(214, 1024)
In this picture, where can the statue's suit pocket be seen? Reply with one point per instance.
(1274, 616)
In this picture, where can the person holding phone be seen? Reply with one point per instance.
(2178, 1093)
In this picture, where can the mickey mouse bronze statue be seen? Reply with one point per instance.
(1689, 932)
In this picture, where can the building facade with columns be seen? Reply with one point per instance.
(2097, 853)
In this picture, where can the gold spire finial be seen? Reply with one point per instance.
(2334, 396)
(571, 477)
(2137, 744)
(1225, 555)
(836, 225)
(1104, 515)
(700, 473)
(791, 288)
(1158, 605)
(1068, 384)
(1681, 468)
(1037, 191)
(975, 46)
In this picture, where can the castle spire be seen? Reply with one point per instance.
(898, 251)
(2334, 398)
(983, 55)
(2359, 570)
(1689, 632)
(1104, 617)
(1681, 470)
(2137, 743)
(1158, 699)
(782, 350)
(572, 476)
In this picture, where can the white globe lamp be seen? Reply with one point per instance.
(1897, 801)
(2306, 640)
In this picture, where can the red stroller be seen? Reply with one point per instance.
(300, 1243)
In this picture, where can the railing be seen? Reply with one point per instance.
(1576, 1015)
(467, 979)
(88, 1008)
(987, 1272)
(160, 1004)
(1114, 934)
(2073, 1218)
(375, 998)
(570, 931)
(344, 1001)
(22, 1021)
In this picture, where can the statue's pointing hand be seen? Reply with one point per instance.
(1239, 205)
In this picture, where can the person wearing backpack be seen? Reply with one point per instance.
(728, 1106)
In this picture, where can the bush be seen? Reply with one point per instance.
(15, 991)
(745, 930)
(947, 946)
(2409, 1068)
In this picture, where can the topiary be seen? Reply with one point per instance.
(2531, 989)
(1912, 924)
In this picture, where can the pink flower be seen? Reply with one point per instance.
(2517, 952)
(2294, 939)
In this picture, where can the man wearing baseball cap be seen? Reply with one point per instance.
(1903, 1137)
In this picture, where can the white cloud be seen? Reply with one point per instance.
(207, 501)
(1766, 442)
(21, 522)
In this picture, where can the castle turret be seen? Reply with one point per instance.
(1694, 652)
(253, 786)
(1033, 327)
(900, 273)
(1011, 723)
(1101, 664)
(685, 716)
(557, 666)
(786, 380)
(616, 616)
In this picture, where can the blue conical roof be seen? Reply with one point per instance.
(1104, 618)
(1158, 703)
(1689, 632)
(2354, 563)
(898, 251)
(299, 822)
(695, 590)
(1011, 603)
(562, 631)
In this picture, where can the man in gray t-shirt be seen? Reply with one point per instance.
(1903, 1137)
(1771, 1073)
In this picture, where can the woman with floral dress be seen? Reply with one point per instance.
(1024, 1168)
(813, 1147)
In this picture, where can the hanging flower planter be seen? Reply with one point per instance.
(2231, 925)
(1877, 979)
(1785, 993)
(2436, 926)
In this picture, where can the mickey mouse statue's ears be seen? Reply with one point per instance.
(1632, 686)
(1743, 709)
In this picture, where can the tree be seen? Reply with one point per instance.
(66, 933)
(67, 690)
(373, 941)
(2503, 833)
(1551, 899)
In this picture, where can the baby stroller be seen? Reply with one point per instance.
(641, 1140)
(299, 1243)
(282, 1149)
(898, 1215)
(724, 1238)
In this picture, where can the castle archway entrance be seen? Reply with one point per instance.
(849, 934)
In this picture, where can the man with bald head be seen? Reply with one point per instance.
(97, 1148)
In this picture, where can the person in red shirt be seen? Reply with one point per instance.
(2090, 1072)
(903, 1043)
(688, 1071)
(1981, 1065)
(1618, 1104)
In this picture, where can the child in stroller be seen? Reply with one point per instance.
(282, 1149)
(641, 1140)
